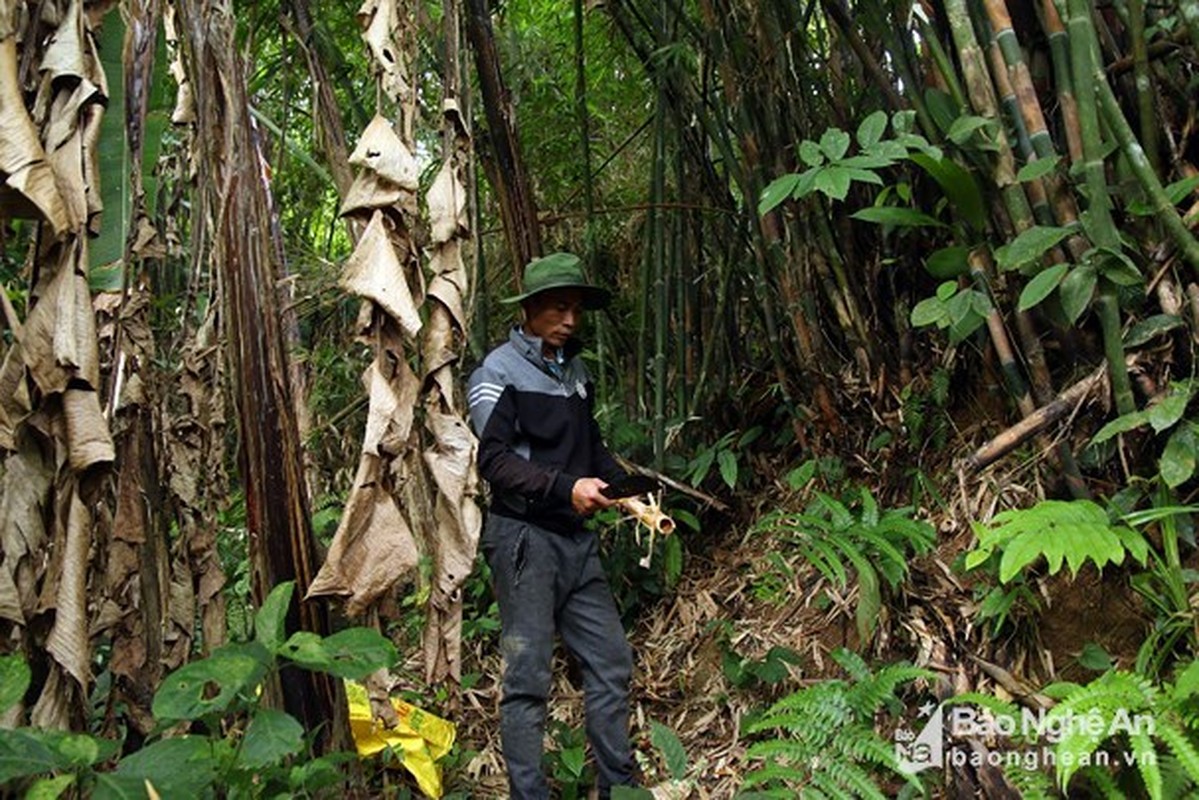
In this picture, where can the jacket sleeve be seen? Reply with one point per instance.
(493, 415)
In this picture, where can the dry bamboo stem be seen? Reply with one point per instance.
(649, 514)
(1034, 423)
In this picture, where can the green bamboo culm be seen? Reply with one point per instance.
(1084, 63)
(1146, 116)
(658, 271)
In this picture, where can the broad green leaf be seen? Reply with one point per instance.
(810, 153)
(1121, 424)
(1041, 286)
(24, 752)
(948, 262)
(870, 131)
(870, 161)
(272, 736)
(946, 290)
(961, 189)
(870, 600)
(1177, 463)
(727, 462)
(50, 788)
(14, 681)
(182, 766)
(1118, 268)
(833, 181)
(668, 744)
(207, 686)
(929, 311)
(980, 303)
(776, 192)
(1037, 169)
(352, 653)
(672, 559)
(1076, 291)
(1094, 657)
(888, 150)
(964, 127)
(1187, 683)
(270, 623)
(807, 183)
(860, 175)
(1166, 413)
(1031, 245)
(834, 143)
(903, 121)
(965, 326)
(1150, 328)
(894, 215)
(941, 107)
(573, 760)
(108, 248)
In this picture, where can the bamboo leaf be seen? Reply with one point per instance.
(895, 215)
(1041, 286)
(870, 131)
(1150, 328)
(1177, 463)
(1076, 291)
(1029, 246)
(727, 462)
(1037, 169)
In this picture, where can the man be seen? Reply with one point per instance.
(531, 403)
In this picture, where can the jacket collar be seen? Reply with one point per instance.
(529, 346)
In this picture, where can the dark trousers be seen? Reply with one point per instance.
(546, 581)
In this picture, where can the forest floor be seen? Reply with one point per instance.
(737, 604)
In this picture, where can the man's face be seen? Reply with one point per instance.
(554, 315)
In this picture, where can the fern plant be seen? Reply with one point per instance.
(825, 743)
(835, 538)
(1135, 717)
(1071, 532)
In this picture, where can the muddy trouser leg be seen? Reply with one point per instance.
(590, 626)
(524, 573)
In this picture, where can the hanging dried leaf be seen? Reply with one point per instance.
(89, 441)
(459, 520)
(374, 272)
(381, 151)
(392, 404)
(373, 547)
(68, 640)
(449, 280)
(22, 158)
(64, 56)
(380, 20)
(368, 193)
(446, 200)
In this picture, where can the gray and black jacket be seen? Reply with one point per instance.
(537, 432)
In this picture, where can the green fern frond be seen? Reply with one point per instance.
(1030, 784)
(836, 779)
(1145, 755)
(1074, 532)
(1181, 746)
(852, 663)
(1104, 782)
(776, 772)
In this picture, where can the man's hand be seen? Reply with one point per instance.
(586, 497)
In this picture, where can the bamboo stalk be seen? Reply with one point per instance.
(1087, 78)
(1146, 116)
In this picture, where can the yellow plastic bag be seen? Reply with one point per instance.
(420, 738)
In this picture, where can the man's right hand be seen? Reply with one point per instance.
(587, 496)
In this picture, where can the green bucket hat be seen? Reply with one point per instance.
(559, 271)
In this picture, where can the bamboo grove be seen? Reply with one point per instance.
(250, 248)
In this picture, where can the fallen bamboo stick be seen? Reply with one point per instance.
(1034, 423)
